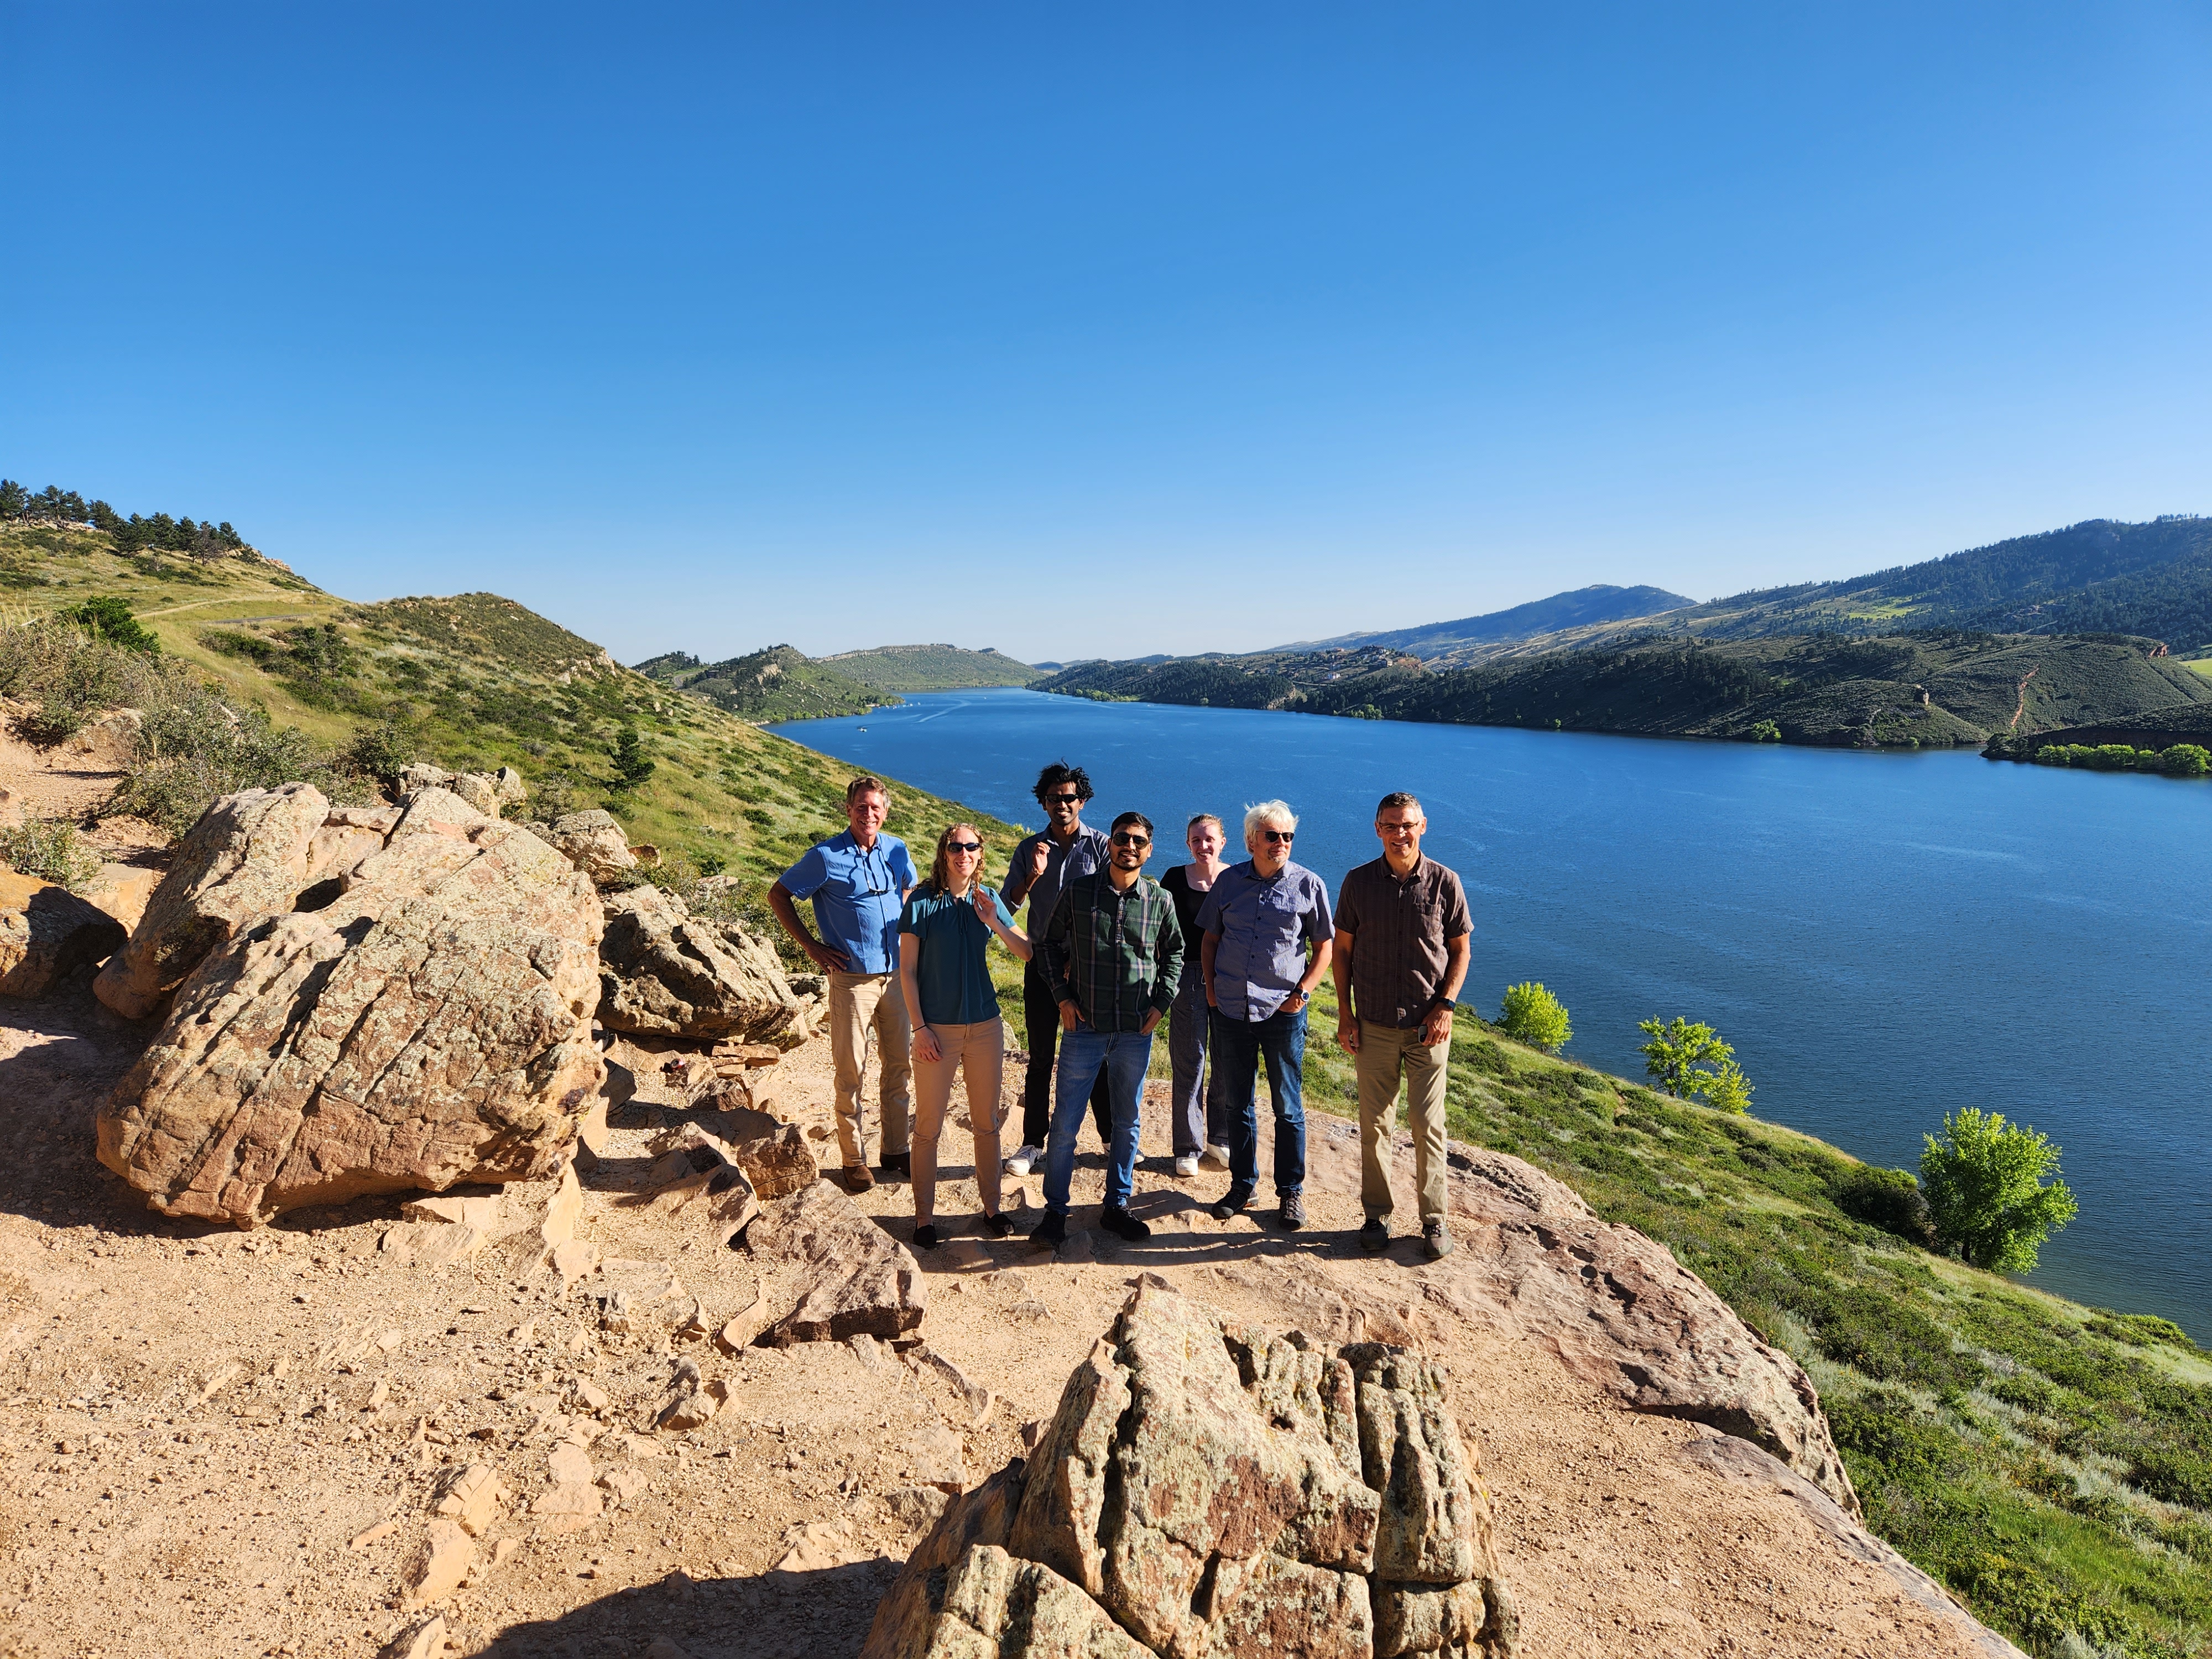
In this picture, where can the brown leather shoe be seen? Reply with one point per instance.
(857, 1178)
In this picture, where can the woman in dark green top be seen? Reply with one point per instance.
(944, 971)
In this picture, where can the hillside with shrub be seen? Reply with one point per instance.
(777, 683)
(931, 667)
(1601, 602)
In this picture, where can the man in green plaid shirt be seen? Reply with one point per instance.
(1113, 958)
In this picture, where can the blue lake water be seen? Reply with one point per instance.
(1883, 936)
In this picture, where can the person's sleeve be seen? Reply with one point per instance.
(1168, 949)
(1348, 907)
(805, 878)
(1005, 916)
(903, 868)
(1209, 913)
(1319, 925)
(908, 922)
(1014, 863)
(1457, 920)
(1053, 948)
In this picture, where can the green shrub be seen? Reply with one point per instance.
(1887, 1198)
(384, 750)
(109, 618)
(54, 722)
(632, 766)
(1765, 732)
(2185, 760)
(1724, 1088)
(1983, 1180)
(52, 850)
(1676, 1049)
(1532, 1015)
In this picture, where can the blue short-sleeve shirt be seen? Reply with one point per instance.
(1264, 925)
(857, 896)
(953, 974)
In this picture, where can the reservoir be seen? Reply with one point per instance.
(1884, 936)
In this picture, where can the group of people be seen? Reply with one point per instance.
(1227, 954)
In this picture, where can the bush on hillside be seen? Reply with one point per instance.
(109, 618)
(1532, 1015)
(1724, 1088)
(52, 850)
(632, 766)
(1677, 1049)
(1887, 1198)
(1986, 1191)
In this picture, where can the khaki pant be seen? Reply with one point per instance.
(860, 1004)
(979, 1051)
(1386, 1056)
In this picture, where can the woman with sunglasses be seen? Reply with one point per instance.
(944, 971)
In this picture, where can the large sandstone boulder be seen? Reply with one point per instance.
(664, 972)
(46, 933)
(1216, 1490)
(855, 1279)
(252, 853)
(596, 844)
(428, 1025)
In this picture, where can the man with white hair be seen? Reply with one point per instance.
(1267, 930)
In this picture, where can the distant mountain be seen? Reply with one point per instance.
(931, 667)
(779, 683)
(1598, 603)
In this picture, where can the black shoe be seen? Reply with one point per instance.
(998, 1226)
(1375, 1235)
(1294, 1211)
(1050, 1233)
(898, 1164)
(1124, 1224)
(1229, 1207)
(925, 1239)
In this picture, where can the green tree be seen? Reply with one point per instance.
(1765, 732)
(2185, 760)
(1677, 1048)
(1532, 1015)
(1724, 1088)
(1984, 1181)
(632, 766)
(109, 618)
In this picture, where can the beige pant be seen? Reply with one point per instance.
(1386, 1056)
(979, 1051)
(860, 1004)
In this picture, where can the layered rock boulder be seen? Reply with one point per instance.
(855, 1279)
(487, 792)
(664, 972)
(428, 1023)
(596, 844)
(46, 933)
(252, 853)
(1207, 1489)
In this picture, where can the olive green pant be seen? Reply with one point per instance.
(1387, 1058)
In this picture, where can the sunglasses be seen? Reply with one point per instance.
(1063, 801)
(1123, 838)
(964, 846)
(1285, 837)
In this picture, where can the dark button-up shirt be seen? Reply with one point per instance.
(1400, 925)
(1116, 955)
(1264, 925)
(1064, 861)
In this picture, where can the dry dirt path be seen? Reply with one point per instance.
(218, 1443)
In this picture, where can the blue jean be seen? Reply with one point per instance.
(1083, 1053)
(1239, 1046)
(1199, 1106)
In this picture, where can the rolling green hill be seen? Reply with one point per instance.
(931, 668)
(469, 682)
(779, 683)
(1600, 603)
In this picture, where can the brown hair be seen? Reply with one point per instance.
(864, 785)
(940, 868)
(1398, 798)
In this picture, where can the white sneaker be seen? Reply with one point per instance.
(1186, 1165)
(1025, 1160)
(1215, 1157)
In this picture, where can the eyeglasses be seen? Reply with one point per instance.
(1123, 838)
(1285, 837)
(964, 846)
(1063, 801)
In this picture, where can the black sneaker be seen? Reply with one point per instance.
(898, 1164)
(998, 1226)
(1375, 1235)
(1229, 1207)
(925, 1239)
(1124, 1224)
(1294, 1211)
(1050, 1233)
(1435, 1238)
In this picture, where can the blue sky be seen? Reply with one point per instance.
(1147, 328)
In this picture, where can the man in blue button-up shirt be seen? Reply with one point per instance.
(859, 882)
(1267, 935)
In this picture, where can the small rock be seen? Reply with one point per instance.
(939, 1459)
(362, 1541)
(471, 1496)
(624, 1483)
(503, 1551)
(573, 1261)
(567, 1464)
(916, 1507)
(591, 1396)
(567, 1508)
(424, 1640)
(693, 1326)
(438, 1565)
(1029, 1309)
(1079, 1247)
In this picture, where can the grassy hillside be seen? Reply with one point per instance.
(1918, 691)
(779, 683)
(1598, 603)
(471, 681)
(931, 668)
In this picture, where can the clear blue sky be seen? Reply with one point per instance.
(1107, 329)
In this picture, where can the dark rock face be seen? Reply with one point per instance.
(1207, 1488)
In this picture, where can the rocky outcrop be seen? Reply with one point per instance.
(487, 792)
(596, 844)
(664, 972)
(428, 1025)
(1208, 1489)
(856, 1279)
(46, 933)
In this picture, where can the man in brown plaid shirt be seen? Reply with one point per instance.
(1113, 960)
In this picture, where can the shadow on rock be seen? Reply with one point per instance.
(772, 1615)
